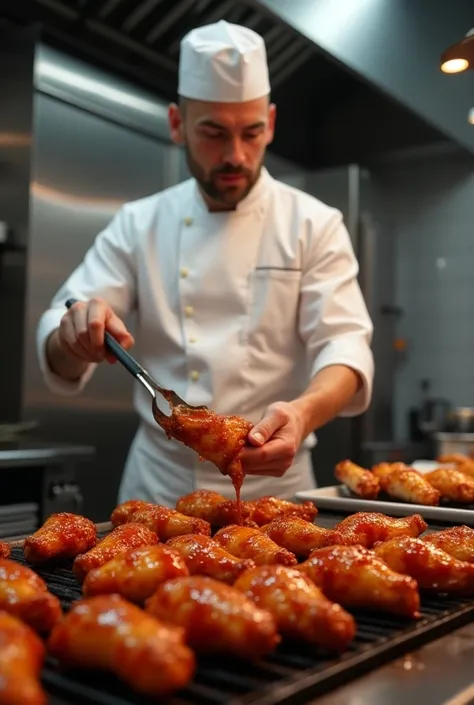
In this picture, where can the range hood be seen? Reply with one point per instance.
(335, 106)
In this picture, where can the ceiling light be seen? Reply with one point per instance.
(460, 56)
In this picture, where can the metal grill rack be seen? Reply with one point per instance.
(294, 673)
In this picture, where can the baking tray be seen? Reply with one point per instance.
(340, 498)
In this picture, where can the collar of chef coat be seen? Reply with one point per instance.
(253, 201)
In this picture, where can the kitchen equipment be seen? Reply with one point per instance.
(433, 411)
(459, 420)
(338, 498)
(132, 366)
(294, 673)
(449, 443)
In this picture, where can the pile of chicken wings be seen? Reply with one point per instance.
(167, 585)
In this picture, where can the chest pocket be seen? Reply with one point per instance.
(273, 308)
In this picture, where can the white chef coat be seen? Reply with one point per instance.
(236, 310)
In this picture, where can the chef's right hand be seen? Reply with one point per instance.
(82, 328)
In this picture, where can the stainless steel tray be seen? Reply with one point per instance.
(338, 497)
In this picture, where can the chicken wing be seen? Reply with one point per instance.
(121, 539)
(167, 523)
(368, 528)
(457, 541)
(135, 574)
(213, 508)
(216, 617)
(22, 656)
(265, 509)
(296, 535)
(453, 459)
(360, 481)
(354, 577)
(407, 484)
(215, 437)
(62, 536)
(244, 542)
(111, 634)
(5, 550)
(25, 595)
(299, 607)
(432, 568)
(204, 556)
(124, 512)
(452, 484)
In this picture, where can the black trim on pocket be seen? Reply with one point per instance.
(280, 269)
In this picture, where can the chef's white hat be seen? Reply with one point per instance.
(223, 63)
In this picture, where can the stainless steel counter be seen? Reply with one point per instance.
(440, 673)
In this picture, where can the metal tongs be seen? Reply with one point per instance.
(145, 379)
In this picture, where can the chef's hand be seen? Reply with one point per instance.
(276, 439)
(82, 328)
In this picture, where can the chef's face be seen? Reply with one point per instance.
(225, 145)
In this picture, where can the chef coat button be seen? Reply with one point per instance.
(188, 221)
(184, 272)
(189, 311)
(194, 375)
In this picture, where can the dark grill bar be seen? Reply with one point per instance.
(295, 673)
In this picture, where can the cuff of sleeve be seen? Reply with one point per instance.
(358, 356)
(47, 324)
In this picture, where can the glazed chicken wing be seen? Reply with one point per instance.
(407, 484)
(25, 595)
(244, 542)
(432, 568)
(5, 550)
(452, 484)
(361, 482)
(296, 535)
(121, 539)
(135, 574)
(215, 437)
(354, 577)
(167, 523)
(263, 510)
(299, 607)
(124, 512)
(111, 634)
(62, 536)
(22, 656)
(457, 541)
(204, 556)
(216, 617)
(213, 508)
(368, 528)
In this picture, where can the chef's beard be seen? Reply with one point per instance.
(228, 195)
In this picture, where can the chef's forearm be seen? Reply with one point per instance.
(62, 363)
(329, 392)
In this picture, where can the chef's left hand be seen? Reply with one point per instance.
(276, 439)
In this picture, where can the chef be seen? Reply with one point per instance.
(245, 291)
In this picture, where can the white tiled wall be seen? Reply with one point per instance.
(429, 206)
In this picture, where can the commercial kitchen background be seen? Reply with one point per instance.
(367, 122)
